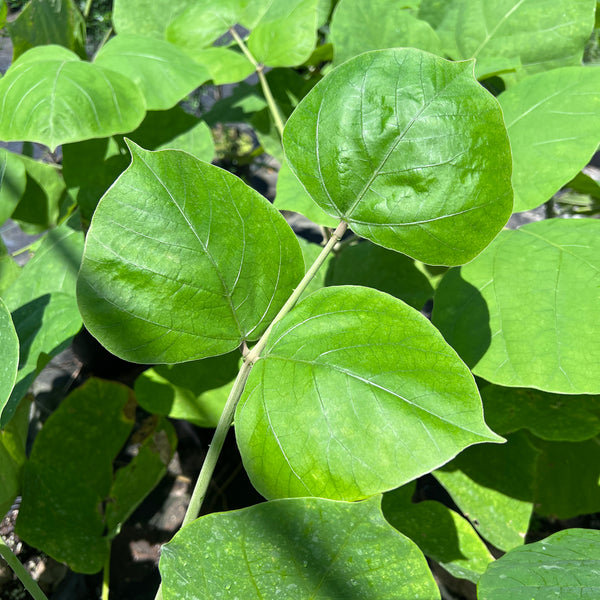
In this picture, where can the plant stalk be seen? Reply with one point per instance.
(87, 9)
(216, 445)
(275, 112)
(106, 577)
(21, 572)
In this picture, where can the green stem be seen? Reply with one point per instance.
(275, 112)
(103, 41)
(250, 358)
(106, 577)
(21, 572)
(86, 10)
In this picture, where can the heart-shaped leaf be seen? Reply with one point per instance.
(295, 548)
(564, 565)
(363, 371)
(531, 36)
(553, 122)
(408, 149)
(50, 96)
(519, 315)
(183, 261)
(164, 73)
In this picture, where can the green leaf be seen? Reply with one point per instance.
(43, 306)
(567, 478)
(553, 122)
(195, 391)
(13, 439)
(296, 548)
(162, 71)
(440, 533)
(310, 252)
(50, 96)
(290, 195)
(9, 269)
(519, 314)
(358, 26)
(44, 22)
(494, 487)
(12, 183)
(146, 17)
(375, 267)
(155, 442)
(39, 208)
(564, 565)
(527, 36)
(3, 11)
(286, 34)
(553, 417)
(183, 261)
(223, 64)
(64, 490)
(10, 353)
(366, 143)
(362, 368)
(434, 11)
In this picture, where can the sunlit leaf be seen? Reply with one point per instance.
(296, 548)
(519, 314)
(223, 64)
(10, 354)
(553, 122)
(50, 96)
(386, 140)
(564, 565)
(358, 26)
(146, 17)
(12, 183)
(164, 73)
(363, 371)
(183, 261)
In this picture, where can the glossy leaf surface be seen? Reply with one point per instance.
(552, 417)
(359, 26)
(195, 391)
(63, 490)
(295, 548)
(565, 565)
(494, 486)
(519, 314)
(10, 354)
(50, 96)
(183, 261)
(12, 183)
(526, 36)
(385, 141)
(44, 22)
(164, 73)
(553, 122)
(440, 533)
(365, 371)
(286, 34)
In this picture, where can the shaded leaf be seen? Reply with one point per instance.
(195, 391)
(286, 34)
(375, 267)
(359, 26)
(44, 22)
(565, 565)
(164, 73)
(183, 261)
(50, 96)
(494, 487)
(440, 533)
(553, 122)
(12, 183)
(553, 417)
(296, 548)
(63, 490)
(384, 140)
(519, 313)
(528, 37)
(364, 370)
